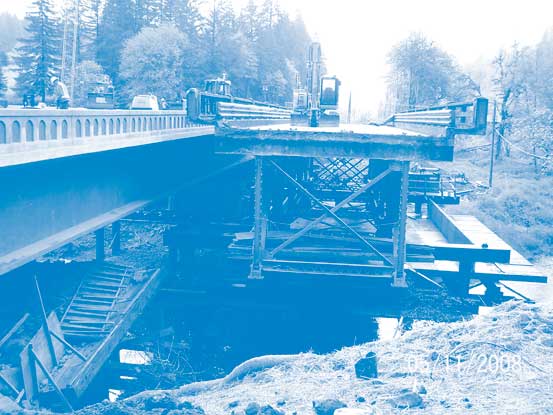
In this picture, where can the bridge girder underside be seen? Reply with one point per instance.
(44, 205)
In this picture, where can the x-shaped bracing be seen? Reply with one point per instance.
(331, 212)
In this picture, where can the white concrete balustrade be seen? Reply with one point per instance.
(28, 135)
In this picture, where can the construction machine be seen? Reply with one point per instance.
(203, 105)
(318, 103)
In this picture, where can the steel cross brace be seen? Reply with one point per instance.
(260, 224)
(331, 212)
(345, 171)
(400, 230)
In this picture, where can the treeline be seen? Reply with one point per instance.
(11, 28)
(162, 47)
(421, 74)
(518, 80)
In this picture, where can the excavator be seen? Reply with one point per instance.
(317, 104)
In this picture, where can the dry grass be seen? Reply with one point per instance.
(514, 341)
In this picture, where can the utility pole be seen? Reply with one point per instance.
(64, 45)
(349, 108)
(492, 149)
(74, 52)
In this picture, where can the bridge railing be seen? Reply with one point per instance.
(460, 118)
(22, 126)
(232, 111)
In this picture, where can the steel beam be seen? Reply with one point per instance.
(260, 223)
(400, 229)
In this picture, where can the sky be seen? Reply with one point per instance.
(356, 35)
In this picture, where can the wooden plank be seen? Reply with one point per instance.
(480, 234)
(70, 326)
(102, 284)
(470, 253)
(446, 225)
(99, 297)
(82, 302)
(482, 272)
(60, 338)
(84, 321)
(87, 313)
(40, 348)
(9, 384)
(47, 374)
(93, 307)
(327, 273)
(14, 329)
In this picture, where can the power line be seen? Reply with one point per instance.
(522, 150)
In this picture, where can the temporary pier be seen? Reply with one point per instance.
(343, 202)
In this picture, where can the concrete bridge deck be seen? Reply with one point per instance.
(31, 135)
(66, 173)
(347, 140)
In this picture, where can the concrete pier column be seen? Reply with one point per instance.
(100, 251)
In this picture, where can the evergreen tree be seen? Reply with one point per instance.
(185, 15)
(11, 29)
(3, 63)
(250, 21)
(118, 24)
(422, 74)
(38, 58)
(219, 27)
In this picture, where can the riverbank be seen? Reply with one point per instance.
(494, 363)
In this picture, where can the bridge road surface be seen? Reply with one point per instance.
(66, 173)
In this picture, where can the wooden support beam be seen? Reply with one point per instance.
(20, 396)
(260, 223)
(36, 360)
(471, 253)
(12, 331)
(31, 388)
(45, 327)
(68, 345)
(9, 384)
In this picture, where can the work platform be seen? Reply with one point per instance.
(343, 202)
(355, 141)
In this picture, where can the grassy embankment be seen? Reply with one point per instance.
(518, 207)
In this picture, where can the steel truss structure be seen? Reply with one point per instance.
(391, 199)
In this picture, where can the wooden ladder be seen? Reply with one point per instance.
(87, 317)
